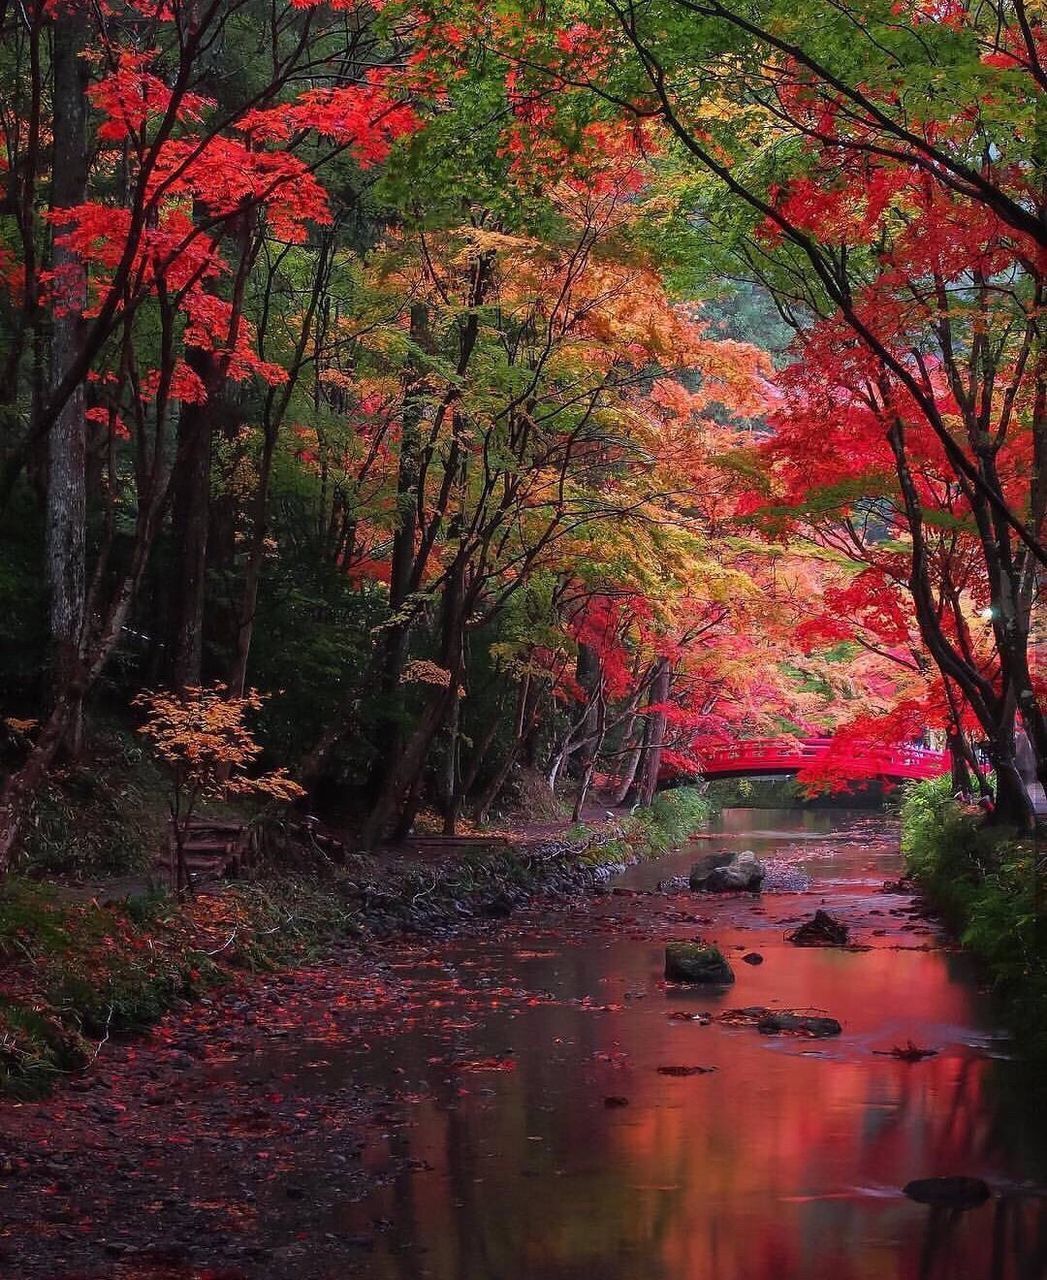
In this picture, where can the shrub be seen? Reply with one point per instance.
(985, 882)
(675, 815)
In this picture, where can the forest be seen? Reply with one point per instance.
(488, 490)
(491, 390)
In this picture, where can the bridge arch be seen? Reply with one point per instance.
(784, 757)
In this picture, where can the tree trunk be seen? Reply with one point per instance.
(452, 794)
(396, 804)
(599, 731)
(589, 674)
(525, 704)
(1012, 807)
(625, 782)
(190, 521)
(66, 453)
(253, 572)
(397, 636)
(652, 756)
(406, 769)
(961, 778)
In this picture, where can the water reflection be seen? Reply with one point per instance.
(784, 1163)
(1019, 1240)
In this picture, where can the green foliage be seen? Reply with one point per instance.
(674, 816)
(985, 881)
(29, 924)
(755, 793)
(943, 844)
(79, 972)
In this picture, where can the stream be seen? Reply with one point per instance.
(495, 1106)
(785, 1161)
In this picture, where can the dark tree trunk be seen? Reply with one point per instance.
(396, 805)
(1012, 807)
(632, 760)
(525, 717)
(190, 520)
(66, 453)
(402, 780)
(253, 572)
(961, 778)
(599, 730)
(452, 793)
(652, 756)
(589, 674)
(397, 636)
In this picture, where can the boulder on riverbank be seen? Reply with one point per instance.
(696, 962)
(726, 873)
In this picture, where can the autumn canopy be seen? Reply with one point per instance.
(523, 395)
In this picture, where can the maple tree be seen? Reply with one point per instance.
(201, 737)
(900, 233)
(149, 282)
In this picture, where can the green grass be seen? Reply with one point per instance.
(103, 816)
(674, 815)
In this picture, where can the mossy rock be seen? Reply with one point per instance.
(696, 962)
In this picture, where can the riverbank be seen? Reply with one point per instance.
(84, 965)
(988, 884)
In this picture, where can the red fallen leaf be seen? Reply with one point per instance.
(487, 1064)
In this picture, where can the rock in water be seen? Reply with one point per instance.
(776, 1023)
(948, 1193)
(752, 957)
(822, 930)
(714, 875)
(696, 962)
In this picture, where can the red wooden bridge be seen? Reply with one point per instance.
(776, 757)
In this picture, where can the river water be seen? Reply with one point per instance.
(494, 1106)
(554, 1149)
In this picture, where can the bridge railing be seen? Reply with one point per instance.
(789, 753)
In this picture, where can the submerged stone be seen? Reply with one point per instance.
(802, 1024)
(957, 1192)
(696, 962)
